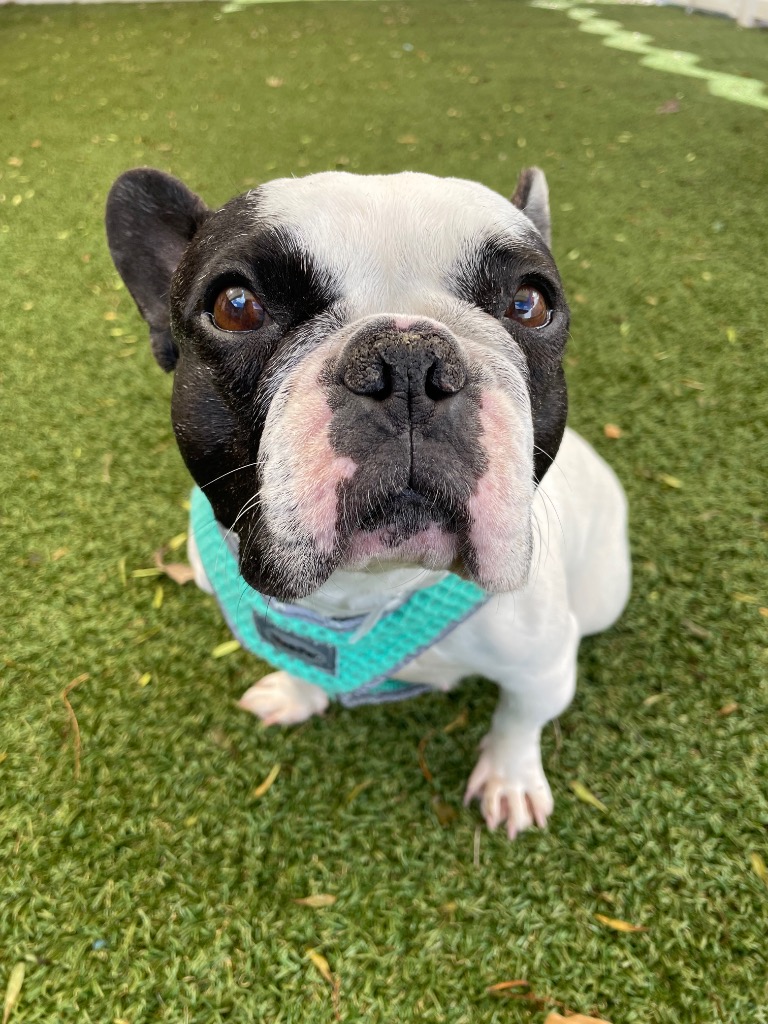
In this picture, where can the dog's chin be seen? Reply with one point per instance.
(430, 547)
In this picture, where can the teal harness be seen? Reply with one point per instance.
(349, 658)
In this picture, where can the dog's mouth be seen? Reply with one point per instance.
(407, 527)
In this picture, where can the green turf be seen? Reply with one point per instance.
(157, 888)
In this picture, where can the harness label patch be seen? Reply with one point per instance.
(311, 652)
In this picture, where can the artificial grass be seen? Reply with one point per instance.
(157, 887)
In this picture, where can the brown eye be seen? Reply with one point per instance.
(237, 309)
(528, 307)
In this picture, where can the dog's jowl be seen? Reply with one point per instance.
(369, 396)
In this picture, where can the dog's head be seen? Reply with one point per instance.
(367, 369)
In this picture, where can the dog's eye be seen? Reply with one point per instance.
(529, 307)
(237, 309)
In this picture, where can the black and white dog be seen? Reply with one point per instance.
(368, 378)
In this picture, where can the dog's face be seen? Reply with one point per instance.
(367, 369)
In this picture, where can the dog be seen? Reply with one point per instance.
(369, 393)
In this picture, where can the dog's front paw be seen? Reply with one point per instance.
(511, 785)
(282, 699)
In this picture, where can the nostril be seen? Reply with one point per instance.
(373, 379)
(444, 379)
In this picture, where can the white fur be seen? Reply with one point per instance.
(390, 238)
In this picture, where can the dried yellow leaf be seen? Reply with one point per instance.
(157, 600)
(576, 1018)
(228, 647)
(317, 902)
(407, 140)
(758, 866)
(730, 333)
(612, 431)
(321, 964)
(458, 722)
(141, 574)
(585, 795)
(145, 679)
(13, 990)
(355, 792)
(670, 481)
(178, 541)
(619, 926)
(262, 788)
(745, 598)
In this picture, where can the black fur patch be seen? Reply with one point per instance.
(489, 277)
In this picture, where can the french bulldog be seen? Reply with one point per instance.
(369, 391)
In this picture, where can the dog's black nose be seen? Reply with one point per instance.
(419, 363)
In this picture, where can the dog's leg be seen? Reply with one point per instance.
(509, 778)
(283, 699)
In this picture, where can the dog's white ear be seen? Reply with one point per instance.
(532, 197)
(151, 217)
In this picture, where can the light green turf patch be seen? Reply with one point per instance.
(157, 887)
(676, 62)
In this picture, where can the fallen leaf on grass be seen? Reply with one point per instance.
(13, 990)
(521, 990)
(745, 598)
(618, 925)
(612, 431)
(585, 795)
(503, 986)
(274, 83)
(145, 679)
(669, 107)
(74, 725)
(698, 631)
(121, 570)
(321, 964)
(758, 866)
(670, 481)
(178, 541)
(444, 812)
(317, 902)
(143, 574)
(407, 140)
(355, 792)
(728, 709)
(653, 699)
(157, 600)
(222, 650)
(179, 572)
(59, 553)
(458, 723)
(575, 1018)
(262, 788)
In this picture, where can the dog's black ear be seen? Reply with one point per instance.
(532, 197)
(151, 217)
